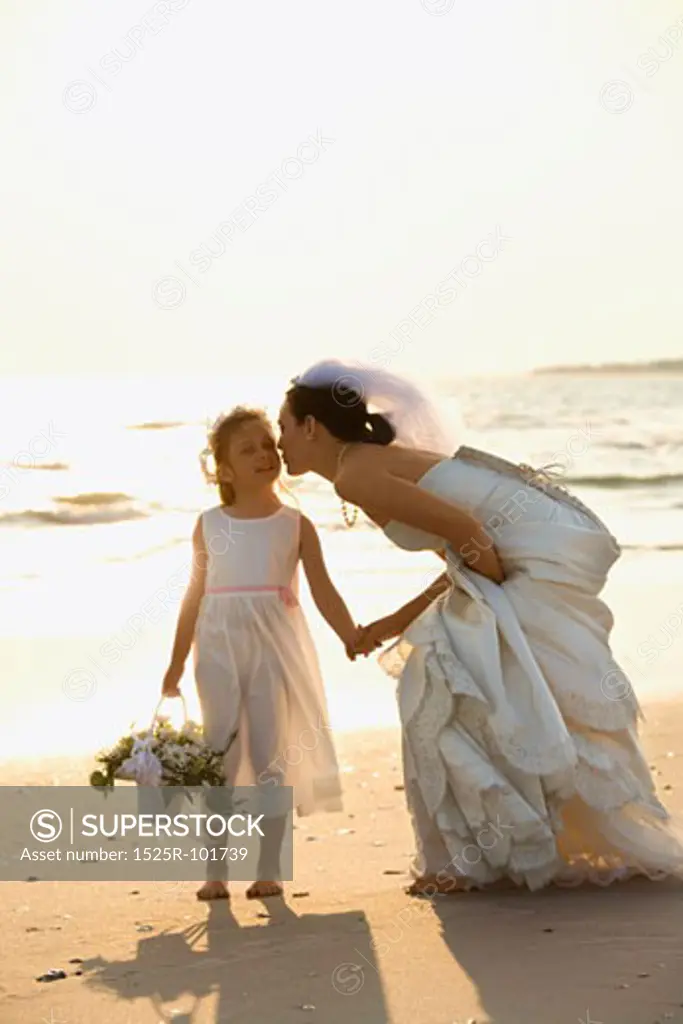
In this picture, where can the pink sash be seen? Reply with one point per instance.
(286, 594)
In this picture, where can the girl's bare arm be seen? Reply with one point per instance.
(328, 600)
(189, 610)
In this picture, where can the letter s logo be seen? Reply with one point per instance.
(46, 826)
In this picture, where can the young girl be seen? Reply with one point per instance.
(255, 664)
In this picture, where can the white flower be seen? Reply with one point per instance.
(191, 730)
(142, 767)
(164, 755)
(173, 751)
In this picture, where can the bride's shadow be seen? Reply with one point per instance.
(218, 970)
(554, 955)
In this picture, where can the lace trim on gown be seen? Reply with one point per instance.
(538, 478)
(585, 810)
(468, 798)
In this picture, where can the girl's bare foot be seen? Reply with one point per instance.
(430, 885)
(262, 890)
(213, 891)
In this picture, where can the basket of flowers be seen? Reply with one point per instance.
(163, 756)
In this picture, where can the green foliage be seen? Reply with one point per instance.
(185, 758)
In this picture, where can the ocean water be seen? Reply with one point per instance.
(100, 487)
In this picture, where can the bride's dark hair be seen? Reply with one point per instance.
(342, 411)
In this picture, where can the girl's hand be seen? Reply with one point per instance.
(169, 687)
(373, 636)
(350, 642)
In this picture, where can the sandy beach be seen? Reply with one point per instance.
(347, 943)
(474, 210)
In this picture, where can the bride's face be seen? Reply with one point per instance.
(294, 442)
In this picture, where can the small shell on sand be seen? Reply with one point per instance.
(54, 974)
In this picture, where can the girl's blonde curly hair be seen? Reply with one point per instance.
(216, 453)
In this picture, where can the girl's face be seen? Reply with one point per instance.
(294, 442)
(253, 459)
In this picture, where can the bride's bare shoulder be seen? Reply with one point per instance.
(408, 464)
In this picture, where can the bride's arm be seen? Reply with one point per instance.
(375, 634)
(400, 500)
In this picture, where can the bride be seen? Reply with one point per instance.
(521, 755)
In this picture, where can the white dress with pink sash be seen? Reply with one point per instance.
(256, 667)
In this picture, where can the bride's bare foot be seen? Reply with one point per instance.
(213, 891)
(262, 890)
(430, 885)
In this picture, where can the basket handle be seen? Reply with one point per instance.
(156, 712)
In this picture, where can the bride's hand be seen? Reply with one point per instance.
(373, 636)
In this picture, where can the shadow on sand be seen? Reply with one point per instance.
(570, 955)
(219, 971)
(558, 957)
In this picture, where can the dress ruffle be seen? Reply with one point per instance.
(521, 751)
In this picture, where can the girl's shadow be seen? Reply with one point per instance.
(168, 966)
(218, 959)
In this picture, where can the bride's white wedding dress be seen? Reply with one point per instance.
(521, 753)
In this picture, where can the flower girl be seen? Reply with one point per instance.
(256, 668)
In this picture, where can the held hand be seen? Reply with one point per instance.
(373, 636)
(350, 643)
(170, 687)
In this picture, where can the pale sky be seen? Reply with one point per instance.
(447, 127)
